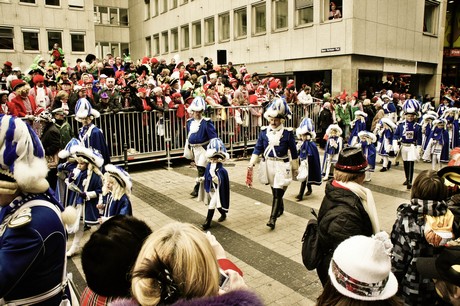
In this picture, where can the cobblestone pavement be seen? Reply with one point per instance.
(270, 260)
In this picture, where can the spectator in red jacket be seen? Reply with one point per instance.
(23, 104)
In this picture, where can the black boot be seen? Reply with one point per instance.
(223, 215)
(194, 193)
(411, 174)
(309, 190)
(271, 222)
(406, 172)
(281, 202)
(303, 185)
(207, 223)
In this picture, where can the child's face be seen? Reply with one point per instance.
(214, 160)
(110, 184)
(304, 137)
(333, 133)
(440, 125)
(82, 166)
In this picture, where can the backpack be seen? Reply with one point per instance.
(311, 253)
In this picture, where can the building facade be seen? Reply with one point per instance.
(369, 42)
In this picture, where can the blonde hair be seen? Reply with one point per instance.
(346, 176)
(117, 190)
(187, 255)
(62, 94)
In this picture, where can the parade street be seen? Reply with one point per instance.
(270, 259)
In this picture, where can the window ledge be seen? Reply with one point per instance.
(224, 40)
(240, 37)
(197, 46)
(210, 43)
(332, 20)
(53, 6)
(430, 34)
(259, 34)
(31, 51)
(28, 4)
(305, 25)
(280, 30)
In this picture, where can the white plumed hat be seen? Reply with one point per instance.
(22, 156)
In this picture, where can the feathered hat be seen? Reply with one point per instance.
(121, 176)
(426, 107)
(278, 108)
(89, 155)
(22, 156)
(369, 135)
(333, 127)
(198, 105)
(83, 109)
(216, 148)
(306, 126)
(411, 106)
(440, 120)
(429, 117)
(64, 153)
(389, 123)
(360, 113)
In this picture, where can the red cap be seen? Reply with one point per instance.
(38, 78)
(8, 63)
(253, 99)
(15, 84)
(142, 89)
(153, 60)
(176, 95)
(145, 60)
(119, 73)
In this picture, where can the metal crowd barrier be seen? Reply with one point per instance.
(139, 137)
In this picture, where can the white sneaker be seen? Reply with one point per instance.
(72, 251)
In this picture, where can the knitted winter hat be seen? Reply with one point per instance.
(361, 268)
(411, 106)
(22, 156)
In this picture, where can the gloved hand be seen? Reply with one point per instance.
(215, 180)
(84, 196)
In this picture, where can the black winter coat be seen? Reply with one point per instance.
(341, 216)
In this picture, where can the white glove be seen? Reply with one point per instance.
(215, 179)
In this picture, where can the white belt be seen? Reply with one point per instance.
(37, 298)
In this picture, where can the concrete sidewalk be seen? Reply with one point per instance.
(271, 260)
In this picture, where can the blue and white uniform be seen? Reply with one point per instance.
(32, 250)
(117, 207)
(409, 134)
(200, 132)
(92, 137)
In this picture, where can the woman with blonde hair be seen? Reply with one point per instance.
(178, 265)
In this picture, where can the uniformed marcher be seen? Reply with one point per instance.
(274, 144)
(32, 232)
(408, 134)
(199, 132)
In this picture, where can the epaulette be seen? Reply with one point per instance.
(207, 119)
(263, 128)
(290, 129)
(20, 218)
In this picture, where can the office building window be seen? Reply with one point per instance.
(147, 10)
(53, 2)
(185, 37)
(259, 19)
(113, 16)
(54, 38)
(156, 44)
(224, 27)
(165, 41)
(303, 12)
(156, 8)
(431, 17)
(174, 39)
(104, 15)
(148, 46)
(196, 33)
(6, 38)
(332, 9)
(27, 1)
(123, 16)
(241, 23)
(124, 49)
(173, 4)
(182, 2)
(280, 14)
(77, 4)
(209, 29)
(77, 42)
(164, 6)
(30, 40)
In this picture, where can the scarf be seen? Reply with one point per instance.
(367, 199)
